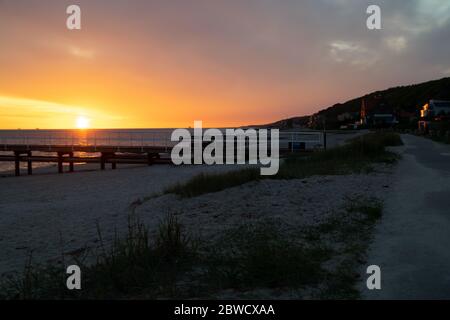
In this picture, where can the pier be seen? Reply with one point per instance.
(65, 154)
(106, 147)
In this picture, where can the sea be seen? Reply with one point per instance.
(117, 137)
(95, 137)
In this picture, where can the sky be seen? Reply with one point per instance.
(145, 63)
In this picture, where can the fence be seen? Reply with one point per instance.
(290, 141)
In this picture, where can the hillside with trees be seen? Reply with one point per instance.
(405, 100)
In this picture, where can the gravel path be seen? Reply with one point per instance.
(411, 245)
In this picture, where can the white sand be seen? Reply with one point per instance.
(52, 213)
(291, 204)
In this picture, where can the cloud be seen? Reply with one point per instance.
(19, 106)
(433, 13)
(17, 103)
(352, 54)
(230, 58)
(397, 44)
(417, 17)
(81, 53)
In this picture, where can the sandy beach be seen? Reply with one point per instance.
(49, 214)
(290, 204)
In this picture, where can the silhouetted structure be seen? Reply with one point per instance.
(376, 112)
(433, 112)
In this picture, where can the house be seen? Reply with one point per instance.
(435, 108)
(348, 120)
(376, 112)
(432, 112)
(345, 117)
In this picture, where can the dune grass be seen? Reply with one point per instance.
(206, 183)
(352, 231)
(260, 256)
(134, 265)
(356, 156)
(173, 265)
(256, 256)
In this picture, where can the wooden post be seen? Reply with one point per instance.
(71, 169)
(149, 159)
(17, 163)
(113, 163)
(102, 161)
(60, 162)
(30, 164)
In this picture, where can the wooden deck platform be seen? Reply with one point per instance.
(65, 154)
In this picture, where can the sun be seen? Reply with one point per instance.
(82, 122)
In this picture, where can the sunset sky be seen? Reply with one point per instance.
(162, 63)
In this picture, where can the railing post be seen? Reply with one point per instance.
(113, 162)
(30, 164)
(60, 162)
(149, 158)
(71, 166)
(17, 163)
(102, 161)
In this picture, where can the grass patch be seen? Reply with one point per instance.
(390, 139)
(353, 230)
(372, 209)
(251, 257)
(132, 266)
(206, 183)
(260, 257)
(440, 138)
(171, 266)
(356, 156)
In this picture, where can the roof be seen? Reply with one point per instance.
(440, 103)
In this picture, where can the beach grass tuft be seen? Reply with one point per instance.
(207, 183)
(357, 156)
(258, 256)
(170, 264)
(132, 266)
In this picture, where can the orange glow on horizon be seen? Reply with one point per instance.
(25, 113)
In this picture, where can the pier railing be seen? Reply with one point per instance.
(87, 138)
(289, 141)
(125, 147)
